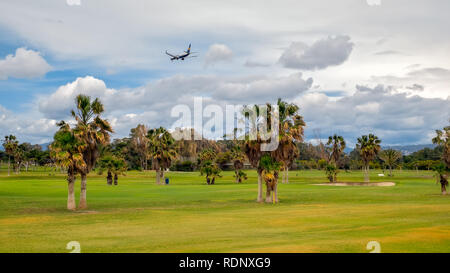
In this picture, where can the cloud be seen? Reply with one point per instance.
(323, 53)
(426, 82)
(26, 127)
(250, 63)
(25, 64)
(73, 2)
(218, 53)
(389, 52)
(395, 117)
(151, 104)
(58, 104)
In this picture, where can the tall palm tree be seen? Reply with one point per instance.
(368, 146)
(337, 148)
(67, 152)
(93, 131)
(162, 150)
(291, 131)
(140, 143)
(390, 157)
(252, 147)
(442, 139)
(10, 144)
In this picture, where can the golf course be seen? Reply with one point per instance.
(187, 215)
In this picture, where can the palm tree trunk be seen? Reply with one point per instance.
(275, 192)
(71, 192)
(366, 173)
(287, 175)
(390, 170)
(109, 178)
(444, 184)
(260, 189)
(236, 175)
(158, 177)
(116, 178)
(268, 195)
(83, 201)
(9, 165)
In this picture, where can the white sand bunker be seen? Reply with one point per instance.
(363, 184)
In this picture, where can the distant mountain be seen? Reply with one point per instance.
(409, 149)
(44, 146)
(405, 149)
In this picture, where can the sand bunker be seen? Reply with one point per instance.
(364, 184)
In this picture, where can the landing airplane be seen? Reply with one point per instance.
(186, 54)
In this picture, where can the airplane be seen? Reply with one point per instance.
(186, 54)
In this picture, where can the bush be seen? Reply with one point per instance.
(331, 171)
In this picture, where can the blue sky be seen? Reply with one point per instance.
(353, 68)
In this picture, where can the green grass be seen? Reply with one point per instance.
(190, 216)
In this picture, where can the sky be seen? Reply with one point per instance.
(353, 66)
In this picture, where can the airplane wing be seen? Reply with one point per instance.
(170, 54)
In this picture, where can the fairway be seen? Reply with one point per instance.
(190, 216)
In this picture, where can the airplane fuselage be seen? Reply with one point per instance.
(180, 56)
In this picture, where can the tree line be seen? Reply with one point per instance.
(86, 146)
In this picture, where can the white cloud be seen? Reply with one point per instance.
(369, 107)
(218, 53)
(58, 104)
(24, 64)
(428, 82)
(26, 127)
(395, 117)
(151, 104)
(73, 2)
(323, 53)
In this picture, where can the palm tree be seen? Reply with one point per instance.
(337, 148)
(67, 152)
(140, 143)
(291, 130)
(241, 175)
(211, 170)
(238, 157)
(442, 139)
(331, 171)
(113, 165)
(93, 131)
(208, 166)
(390, 157)
(441, 176)
(271, 169)
(368, 146)
(162, 150)
(252, 148)
(10, 144)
